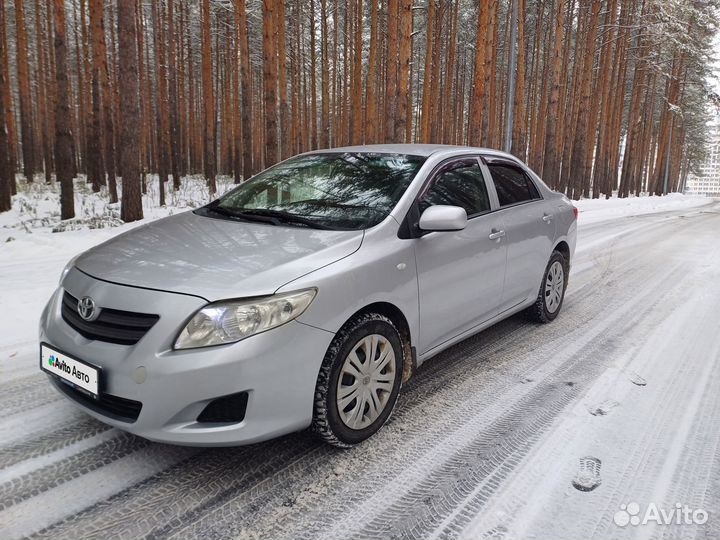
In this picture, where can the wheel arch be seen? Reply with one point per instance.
(395, 314)
(563, 247)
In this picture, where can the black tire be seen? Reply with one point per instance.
(327, 423)
(539, 311)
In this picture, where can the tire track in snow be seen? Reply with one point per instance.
(23, 395)
(55, 474)
(51, 440)
(16, 428)
(652, 413)
(85, 490)
(186, 487)
(459, 489)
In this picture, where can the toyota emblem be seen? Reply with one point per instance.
(86, 308)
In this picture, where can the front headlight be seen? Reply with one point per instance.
(229, 321)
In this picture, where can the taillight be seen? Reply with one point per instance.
(576, 211)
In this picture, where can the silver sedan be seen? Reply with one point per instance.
(307, 296)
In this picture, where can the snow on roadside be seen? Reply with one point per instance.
(32, 255)
(594, 210)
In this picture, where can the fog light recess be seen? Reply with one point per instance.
(227, 409)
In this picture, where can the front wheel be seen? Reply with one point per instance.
(359, 380)
(552, 290)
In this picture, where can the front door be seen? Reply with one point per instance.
(460, 273)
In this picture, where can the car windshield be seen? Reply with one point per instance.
(345, 190)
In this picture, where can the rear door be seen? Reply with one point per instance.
(460, 273)
(529, 225)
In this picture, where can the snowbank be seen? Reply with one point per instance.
(32, 255)
(593, 210)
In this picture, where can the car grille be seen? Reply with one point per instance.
(112, 325)
(124, 410)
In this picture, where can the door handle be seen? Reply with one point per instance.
(547, 218)
(496, 235)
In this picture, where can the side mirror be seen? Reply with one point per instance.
(443, 218)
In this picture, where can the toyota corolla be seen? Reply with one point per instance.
(306, 296)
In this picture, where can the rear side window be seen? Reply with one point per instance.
(512, 184)
(459, 184)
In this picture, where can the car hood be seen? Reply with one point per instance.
(215, 258)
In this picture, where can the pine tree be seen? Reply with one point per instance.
(26, 99)
(63, 129)
(208, 99)
(270, 74)
(6, 171)
(129, 85)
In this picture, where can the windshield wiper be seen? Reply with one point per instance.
(242, 215)
(286, 217)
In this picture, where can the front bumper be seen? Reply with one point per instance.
(278, 369)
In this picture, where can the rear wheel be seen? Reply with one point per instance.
(359, 380)
(552, 290)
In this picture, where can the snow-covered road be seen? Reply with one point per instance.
(488, 440)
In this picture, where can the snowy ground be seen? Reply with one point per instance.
(486, 441)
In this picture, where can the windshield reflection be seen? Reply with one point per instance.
(326, 190)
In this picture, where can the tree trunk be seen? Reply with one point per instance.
(313, 82)
(391, 69)
(551, 167)
(82, 93)
(7, 104)
(405, 48)
(129, 85)
(534, 93)
(100, 72)
(96, 142)
(246, 138)
(208, 99)
(63, 130)
(426, 111)
(23, 77)
(6, 172)
(356, 107)
(279, 30)
(371, 107)
(174, 140)
(599, 111)
(435, 82)
(42, 84)
(477, 92)
(270, 76)
(666, 124)
(490, 120)
(448, 96)
(519, 127)
(579, 172)
(162, 123)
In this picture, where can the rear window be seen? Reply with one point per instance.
(512, 185)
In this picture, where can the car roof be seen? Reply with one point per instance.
(423, 150)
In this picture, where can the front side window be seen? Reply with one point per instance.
(512, 184)
(459, 184)
(325, 190)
